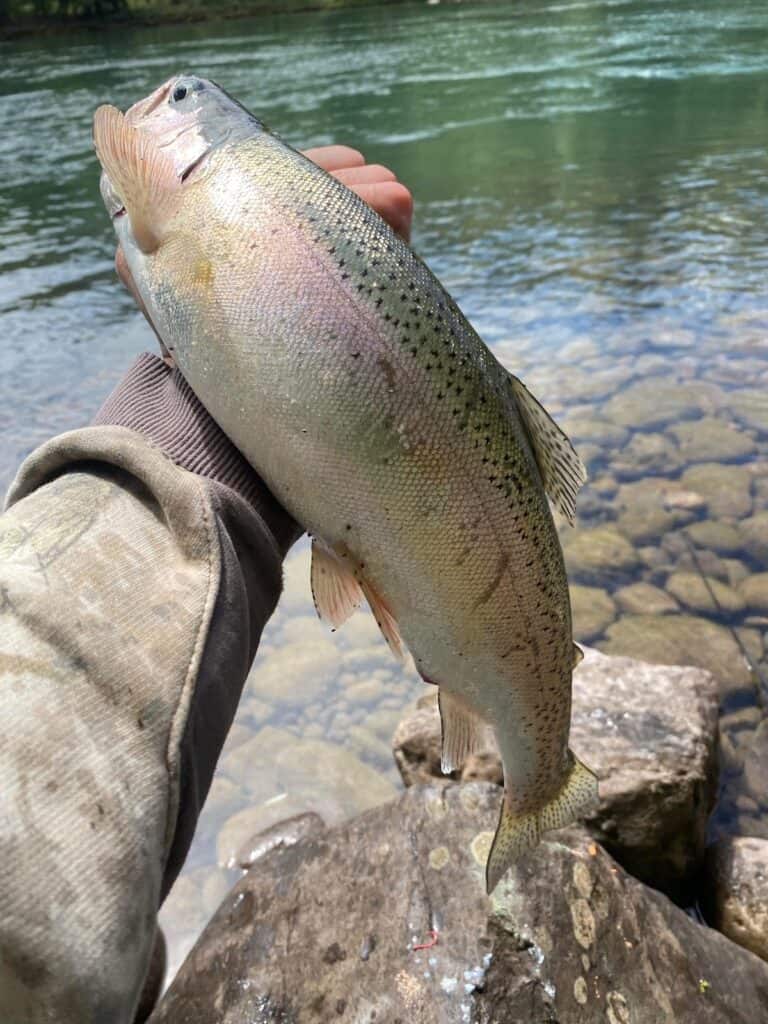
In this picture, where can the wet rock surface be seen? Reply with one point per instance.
(650, 733)
(737, 891)
(328, 930)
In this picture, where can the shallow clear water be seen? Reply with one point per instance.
(590, 185)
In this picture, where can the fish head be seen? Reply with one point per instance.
(161, 144)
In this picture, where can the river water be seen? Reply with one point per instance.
(590, 185)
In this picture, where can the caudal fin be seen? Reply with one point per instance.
(517, 833)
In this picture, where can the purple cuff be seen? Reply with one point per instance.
(156, 401)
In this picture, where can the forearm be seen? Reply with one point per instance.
(132, 596)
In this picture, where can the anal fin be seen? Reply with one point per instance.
(335, 590)
(462, 731)
(517, 833)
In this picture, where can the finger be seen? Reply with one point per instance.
(333, 158)
(369, 174)
(393, 202)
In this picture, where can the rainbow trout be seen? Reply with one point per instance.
(348, 377)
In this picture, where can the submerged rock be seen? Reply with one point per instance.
(593, 610)
(737, 891)
(718, 536)
(645, 599)
(653, 403)
(711, 439)
(754, 591)
(705, 594)
(650, 735)
(335, 927)
(754, 532)
(682, 640)
(597, 555)
(726, 489)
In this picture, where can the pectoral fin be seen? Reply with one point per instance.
(462, 731)
(335, 590)
(142, 175)
(562, 471)
(385, 620)
(517, 833)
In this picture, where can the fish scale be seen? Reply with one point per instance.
(346, 374)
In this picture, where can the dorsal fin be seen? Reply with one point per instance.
(562, 471)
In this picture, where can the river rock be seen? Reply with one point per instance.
(726, 489)
(710, 439)
(645, 599)
(329, 930)
(751, 407)
(754, 591)
(599, 554)
(737, 891)
(682, 640)
(705, 594)
(653, 403)
(583, 429)
(650, 735)
(592, 609)
(647, 454)
(756, 765)
(716, 535)
(754, 533)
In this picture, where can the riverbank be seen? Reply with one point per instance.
(150, 13)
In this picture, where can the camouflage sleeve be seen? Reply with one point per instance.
(139, 561)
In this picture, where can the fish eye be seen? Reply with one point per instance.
(184, 88)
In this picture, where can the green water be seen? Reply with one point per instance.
(590, 184)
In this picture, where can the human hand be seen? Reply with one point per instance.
(374, 183)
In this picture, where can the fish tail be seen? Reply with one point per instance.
(517, 833)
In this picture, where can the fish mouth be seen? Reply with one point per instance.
(118, 213)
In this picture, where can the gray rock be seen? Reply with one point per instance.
(754, 591)
(284, 833)
(726, 489)
(711, 439)
(756, 765)
(655, 402)
(593, 610)
(754, 532)
(326, 930)
(650, 734)
(682, 640)
(751, 406)
(598, 555)
(737, 891)
(705, 594)
(645, 599)
(721, 537)
(647, 454)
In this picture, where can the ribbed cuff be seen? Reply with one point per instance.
(157, 402)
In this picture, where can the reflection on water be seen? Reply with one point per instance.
(590, 185)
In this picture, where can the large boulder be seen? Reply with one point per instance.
(341, 927)
(737, 891)
(649, 732)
